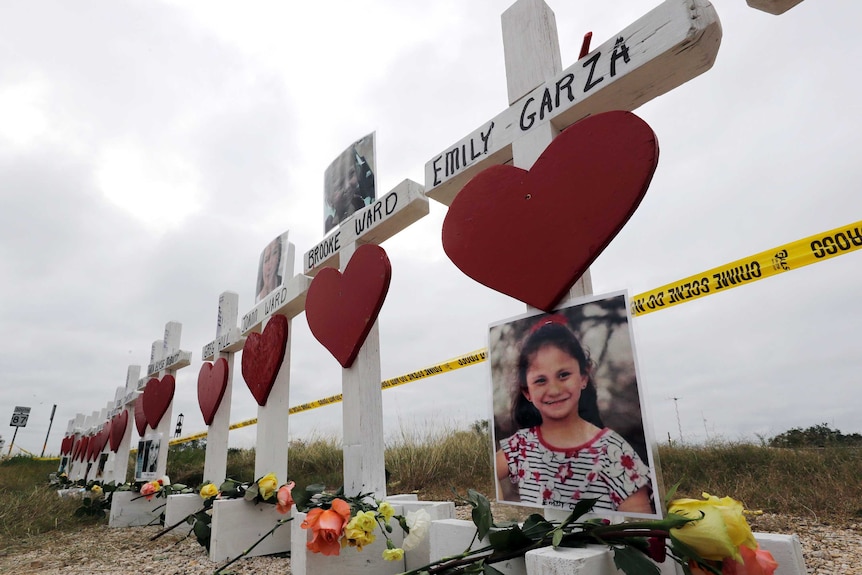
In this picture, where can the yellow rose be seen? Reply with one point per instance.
(720, 531)
(357, 537)
(267, 485)
(393, 554)
(97, 489)
(386, 511)
(209, 490)
(365, 520)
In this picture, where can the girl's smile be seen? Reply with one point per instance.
(554, 383)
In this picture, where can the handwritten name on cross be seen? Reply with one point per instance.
(228, 341)
(673, 43)
(362, 398)
(166, 358)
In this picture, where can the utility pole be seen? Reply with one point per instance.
(678, 424)
(50, 423)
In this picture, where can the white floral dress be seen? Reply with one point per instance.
(606, 468)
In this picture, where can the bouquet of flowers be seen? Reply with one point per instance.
(337, 522)
(704, 536)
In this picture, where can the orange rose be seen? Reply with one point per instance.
(754, 562)
(327, 527)
(285, 497)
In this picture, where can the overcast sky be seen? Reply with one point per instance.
(150, 150)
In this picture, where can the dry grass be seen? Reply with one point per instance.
(822, 484)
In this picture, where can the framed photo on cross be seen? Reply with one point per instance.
(568, 418)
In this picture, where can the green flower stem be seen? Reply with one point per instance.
(175, 525)
(278, 524)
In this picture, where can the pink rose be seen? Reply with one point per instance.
(284, 497)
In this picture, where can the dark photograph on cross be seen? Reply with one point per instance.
(348, 183)
(568, 416)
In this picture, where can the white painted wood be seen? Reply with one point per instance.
(129, 509)
(374, 224)
(215, 465)
(272, 424)
(272, 431)
(786, 550)
(670, 45)
(181, 506)
(288, 300)
(775, 7)
(531, 47)
(241, 523)
(362, 415)
(121, 460)
(452, 536)
(349, 562)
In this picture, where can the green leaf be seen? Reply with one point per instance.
(557, 538)
(672, 491)
(509, 539)
(203, 533)
(315, 488)
(482, 517)
(537, 527)
(633, 562)
(252, 492)
(581, 507)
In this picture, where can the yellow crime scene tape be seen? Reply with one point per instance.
(471, 358)
(772, 262)
(784, 258)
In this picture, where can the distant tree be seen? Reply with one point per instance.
(815, 436)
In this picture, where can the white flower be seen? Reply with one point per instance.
(419, 523)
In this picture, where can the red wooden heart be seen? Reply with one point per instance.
(91, 446)
(87, 448)
(158, 395)
(104, 436)
(212, 381)
(119, 423)
(76, 448)
(81, 447)
(66, 445)
(532, 234)
(262, 355)
(342, 308)
(140, 416)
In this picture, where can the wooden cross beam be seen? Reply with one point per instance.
(668, 46)
(362, 396)
(228, 341)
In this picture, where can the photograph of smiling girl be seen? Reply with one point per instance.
(568, 422)
(271, 269)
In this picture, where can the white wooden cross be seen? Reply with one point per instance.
(670, 45)
(166, 358)
(125, 401)
(363, 449)
(73, 470)
(227, 342)
(272, 421)
(99, 424)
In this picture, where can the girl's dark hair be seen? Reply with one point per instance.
(549, 331)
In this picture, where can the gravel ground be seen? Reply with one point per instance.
(828, 550)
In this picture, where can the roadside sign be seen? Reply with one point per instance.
(20, 417)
